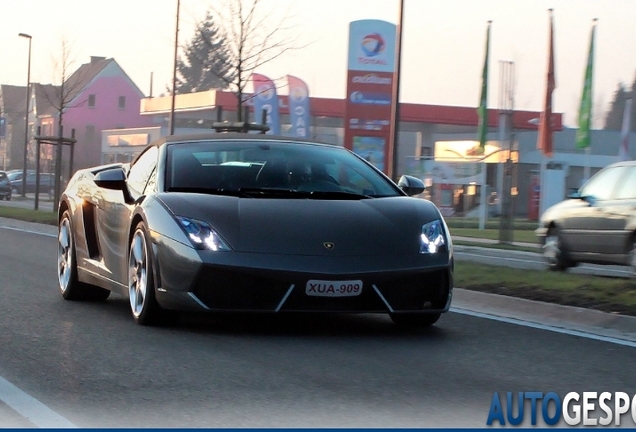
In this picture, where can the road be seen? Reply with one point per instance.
(531, 261)
(89, 365)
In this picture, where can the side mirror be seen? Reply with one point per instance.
(411, 185)
(113, 179)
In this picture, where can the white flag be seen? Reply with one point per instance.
(623, 151)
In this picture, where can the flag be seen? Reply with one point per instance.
(544, 139)
(266, 98)
(482, 111)
(298, 106)
(623, 151)
(585, 112)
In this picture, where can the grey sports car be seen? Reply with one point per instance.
(249, 222)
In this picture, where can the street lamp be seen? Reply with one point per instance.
(26, 117)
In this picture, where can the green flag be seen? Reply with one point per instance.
(482, 111)
(585, 111)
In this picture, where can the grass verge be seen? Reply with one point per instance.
(45, 217)
(593, 292)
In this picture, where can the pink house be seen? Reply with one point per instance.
(98, 95)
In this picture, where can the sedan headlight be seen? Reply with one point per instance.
(202, 235)
(432, 237)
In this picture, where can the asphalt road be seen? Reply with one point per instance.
(531, 260)
(90, 365)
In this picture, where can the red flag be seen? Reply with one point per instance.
(544, 140)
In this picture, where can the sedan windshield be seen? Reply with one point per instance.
(260, 168)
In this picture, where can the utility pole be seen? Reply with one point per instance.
(174, 70)
(395, 106)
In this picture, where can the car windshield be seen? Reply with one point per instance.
(260, 168)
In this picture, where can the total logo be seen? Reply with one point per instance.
(372, 46)
(298, 94)
(265, 92)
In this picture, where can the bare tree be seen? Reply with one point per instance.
(68, 84)
(253, 39)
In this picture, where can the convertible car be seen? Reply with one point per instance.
(249, 222)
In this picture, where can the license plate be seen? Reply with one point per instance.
(323, 288)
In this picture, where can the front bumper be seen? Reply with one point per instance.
(541, 234)
(232, 281)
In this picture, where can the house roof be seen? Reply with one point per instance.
(13, 99)
(46, 96)
(84, 75)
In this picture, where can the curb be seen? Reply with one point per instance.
(570, 318)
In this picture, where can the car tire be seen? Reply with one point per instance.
(632, 257)
(553, 252)
(70, 287)
(141, 281)
(415, 320)
(8, 198)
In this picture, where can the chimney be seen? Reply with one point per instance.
(95, 59)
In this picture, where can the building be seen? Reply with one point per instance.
(12, 109)
(98, 95)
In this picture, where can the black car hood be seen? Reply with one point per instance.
(365, 227)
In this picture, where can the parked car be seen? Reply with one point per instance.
(5, 186)
(47, 183)
(246, 222)
(596, 224)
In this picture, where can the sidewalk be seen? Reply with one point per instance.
(44, 203)
(495, 242)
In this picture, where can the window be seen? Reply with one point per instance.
(141, 170)
(627, 187)
(602, 185)
(91, 101)
(122, 102)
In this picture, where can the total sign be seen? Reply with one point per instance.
(372, 46)
(371, 66)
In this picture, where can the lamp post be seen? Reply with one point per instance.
(26, 116)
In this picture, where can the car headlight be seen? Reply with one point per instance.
(202, 235)
(432, 237)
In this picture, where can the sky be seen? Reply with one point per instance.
(442, 54)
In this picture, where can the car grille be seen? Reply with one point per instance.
(221, 289)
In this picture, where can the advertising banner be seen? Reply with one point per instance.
(299, 108)
(265, 98)
(371, 66)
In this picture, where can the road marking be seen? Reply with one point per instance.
(516, 321)
(30, 408)
(29, 231)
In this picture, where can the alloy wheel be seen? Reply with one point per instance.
(552, 250)
(138, 273)
(64, 254)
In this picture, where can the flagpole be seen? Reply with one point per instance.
(623, 149)
(544, 136)
(583, 136)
